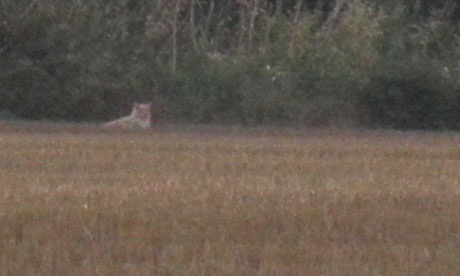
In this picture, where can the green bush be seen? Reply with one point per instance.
(415, 85)
(415, 97)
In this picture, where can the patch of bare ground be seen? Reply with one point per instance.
(210, 200)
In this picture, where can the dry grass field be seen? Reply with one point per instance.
(209, 200)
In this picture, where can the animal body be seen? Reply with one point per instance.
(140, 118)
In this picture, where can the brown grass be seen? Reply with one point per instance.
(228, 201)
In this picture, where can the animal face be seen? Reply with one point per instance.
(142, 111)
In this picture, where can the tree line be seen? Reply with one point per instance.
(312, 62)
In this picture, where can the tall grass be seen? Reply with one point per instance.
(228, 201)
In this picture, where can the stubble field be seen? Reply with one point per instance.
(193, 200)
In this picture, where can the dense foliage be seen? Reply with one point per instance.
(374, 63)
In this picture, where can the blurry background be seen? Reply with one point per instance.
(365, 63)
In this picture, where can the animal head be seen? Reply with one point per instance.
(142, 111)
